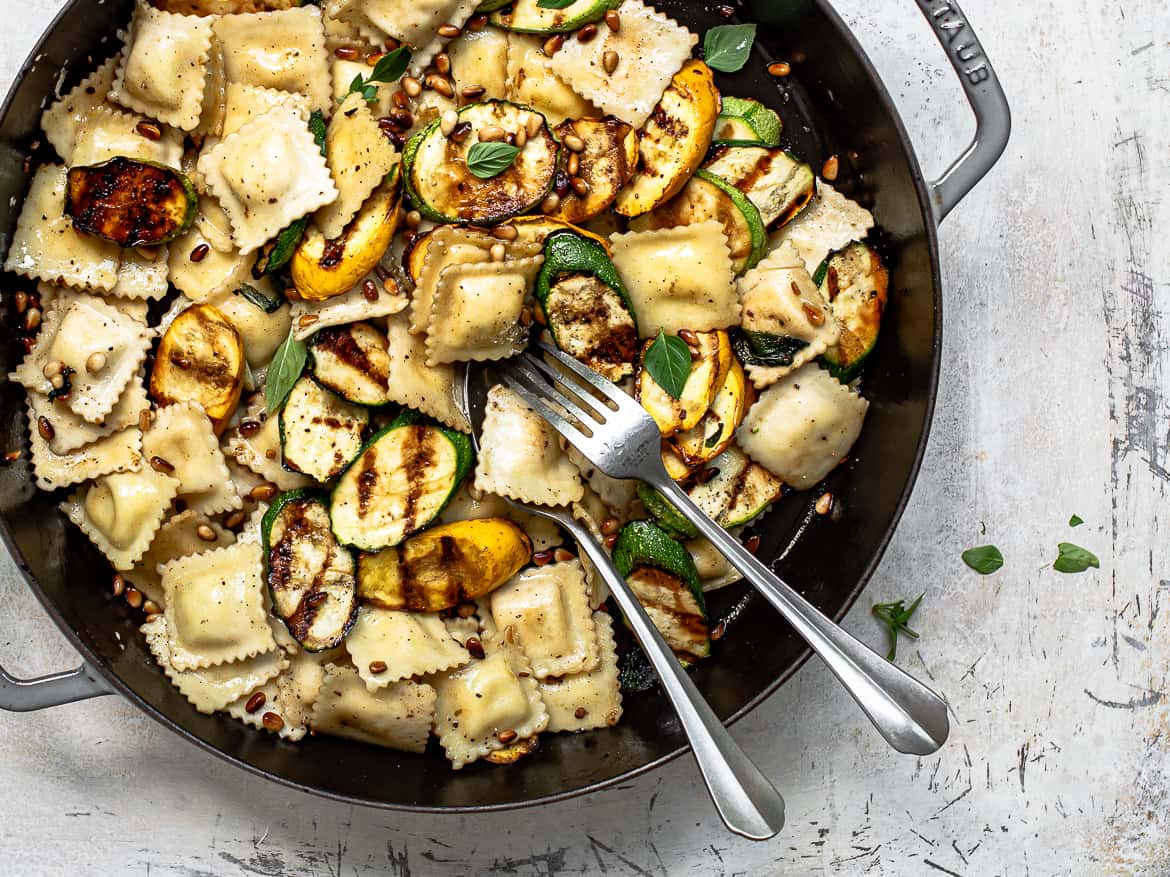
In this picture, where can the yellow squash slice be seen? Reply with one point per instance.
(200, 359)
(711, 436)
(709, 370)
(606, 164)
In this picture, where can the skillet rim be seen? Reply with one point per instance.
(930, 227)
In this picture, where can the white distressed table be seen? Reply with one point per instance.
(1054, 401)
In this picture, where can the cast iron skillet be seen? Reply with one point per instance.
(833, 103)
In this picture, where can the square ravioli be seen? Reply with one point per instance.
(405, 644)
(591, 699)
(547, 609)
(215, 607)
(266, 175)
(164, 66)
(398, 716)
(359, 157)
(118, 452)
(520, 454)
(65, 116)
(180, 535)
(107, 133)
(289, 697)
(182, 442)
(121, 512)
(678, 278)
(46, 247)
(284, 49)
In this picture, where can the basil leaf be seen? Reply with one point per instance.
(256, 297)
(985, 559)
(668, 359)
(317, 127)
(354, 86)
(283, 372)
(1075, 521)
(555, 4)
(487, 160)
(761, 348)
(391, 66)
(727, 46)
(1073, 558)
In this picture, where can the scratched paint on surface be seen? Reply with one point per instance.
(1054, 401)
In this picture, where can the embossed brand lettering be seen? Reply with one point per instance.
(967, 53)
(978, 73)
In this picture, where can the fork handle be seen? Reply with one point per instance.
(911, 717)
(748, 804)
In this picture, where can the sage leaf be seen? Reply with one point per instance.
(1075, 521)
(985, 559)
(487, 160)
(286, 367)
(256, 297)
(727, 46)
(668, 360)
(1073, 558)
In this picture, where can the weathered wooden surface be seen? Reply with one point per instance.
(1053, 402)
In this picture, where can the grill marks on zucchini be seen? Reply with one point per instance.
(132, 203)
(319, 431)
(399, 483)
(606, 164)
(739, 492)
(310, 577)
(856, 285)
(353, 361)
(778, 185)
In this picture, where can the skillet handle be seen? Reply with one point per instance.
(993, 117)
(26, 695)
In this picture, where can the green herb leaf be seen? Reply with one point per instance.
(762, 348)
(391, 66)
(1073, 558)
(896, 617)
(283, 372)
(555, 4)
(1075, 521)
(727, 46)
(487, 160)
(985, 559)
(668, 359)
(256, 297)
(318, 127)
(354, 86)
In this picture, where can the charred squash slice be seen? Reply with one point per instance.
(399, 483)
(310, 577)
(200, 359)
(711, 436)
(130, 202)
(673, 141)
(739, 491)
(606, 164)
(708, 372)
(779, 185)
(319, 431)
(444, 566)
(856, 285)
(352, 361)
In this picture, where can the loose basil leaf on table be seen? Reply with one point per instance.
(1073, 558)
(984, 559)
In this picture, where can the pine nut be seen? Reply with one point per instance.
(551, 203)
(272, 722)
(497, 252)
(307, 320)
(442, 63)
(611, 541)
(505, 232)
(579, 186)
(11, 457)
(160, 464)
(580, 712)
(52, 369)
(475, 647)
(448, 121)
(206, 533)
(587, 33)
(610, 526)
(461, 131)
(378, 666)
(830, 168)
(813, 315)
(506, 737)
(95, 363)
(553, 44)
(824, 503)
(149, 130)
(718, 630)
(20, 300)
(151, 608)
(234, 519)
(449, 31)
(471, 92)
(369, 290)
(249, 428)
(520, 138)
(609, 61)
(491, 134)
(373, 58)
(573, 164)
(540, 558)
(402, 118)
(477, 22)
(691, 339)
(119, 584)
(200, 252)
(45, 428)
(400, 100)
(562, 556)
(57, 381)
(345, 53)
(613, 20)
(779, 69)
(441, 84)
(255, 702)
(573, 142)
(32, 319)
(133, 598)
(411, 86)
(263, 492)
(413, 219)
(752, 543)
(533, 124)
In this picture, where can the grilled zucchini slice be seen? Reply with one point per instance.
(353, 361)
(323, 269)
(399, 483)
(586, 306)
(746, 122)
(443, 189)
(673, 141)
(711, 436)
(665, 514)
(856, 284)
(528, 16)
(708, 372)
(444, 566)
(200, 359)
(739, 492)
(606, 164)
(130, 202)
(319, 431)
(705, 197)
(310, 577)
(662, 575)
(779, 185)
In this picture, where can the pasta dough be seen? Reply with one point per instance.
(119, 452)
(107, 133)
(65, 117)
(121, 512)
(398, 716)
(828, 223)
(182, 438)
(359, 157)
(801, 426)
(177, 537)
(429, 389)
(283, 49)
(70, 431)
(678, 278)
(407, 643)
(587, 700)
(309, 317)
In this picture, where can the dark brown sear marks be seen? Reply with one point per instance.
(299, 593)
(593, 326)
(340, 343)
(418, 454)
(682, 610)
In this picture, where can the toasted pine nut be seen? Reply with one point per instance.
(498, 252)
(609, 61)
(579, 186)
(587, 33)
(378, 666)
(449, 31)
(779, 69)
(573, 142)
(505, 232)
(95, 363)
(411, 86)
(45, 428)
(149, 130)
(255, 702)
(491, 134)
(553, 44)
(345, 53)
(200, 252)
(206, 533)
(506, 737)
(551, 203)
(573, 164)
(133, 597)
(448, 121)
(161, 464)
(272, 722)
(830, 168)
(613, 20)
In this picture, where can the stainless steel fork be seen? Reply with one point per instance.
(621, 439)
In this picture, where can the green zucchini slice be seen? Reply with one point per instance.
(662, 575)
(319, 431)
(705, 197)
(528, 16)
(586, 306)
(856, 284)
(739, 491)
(132, 203)
(779, 185)
(310, 577)
(353, 361)
(441, 186)
(746, 122)
(665, 514)
(400, 482)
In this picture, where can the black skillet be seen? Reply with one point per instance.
(833, 103)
